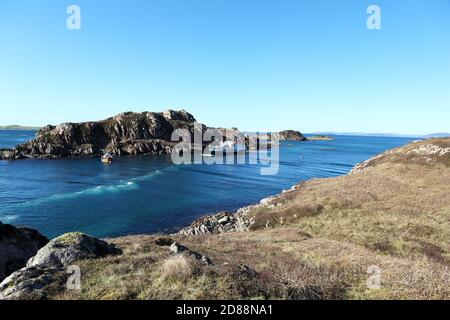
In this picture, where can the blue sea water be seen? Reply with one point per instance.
(9, 138)
(146, 194)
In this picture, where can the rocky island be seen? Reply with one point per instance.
(127, 133)
(321, 239)
(291, 135)
(320, 138)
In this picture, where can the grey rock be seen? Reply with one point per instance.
(70, 247)
(180, 249)
(17, 245)
(32, 283)
(47, 269)
(221, 222)
(177, 248)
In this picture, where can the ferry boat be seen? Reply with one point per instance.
(227, 146)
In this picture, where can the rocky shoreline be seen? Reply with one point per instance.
(238, 221)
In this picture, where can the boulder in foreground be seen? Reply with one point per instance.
(46, 270)
(70, 247)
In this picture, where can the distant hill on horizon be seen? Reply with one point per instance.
(18, 127)
(437, 135)
(432, 135)
(368, 134)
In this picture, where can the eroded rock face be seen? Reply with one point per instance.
(17, 245)
(71, 247)
(126, 133)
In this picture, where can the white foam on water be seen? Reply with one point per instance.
(8, 218)
(124, 185)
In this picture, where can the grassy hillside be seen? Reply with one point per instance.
(315, 241)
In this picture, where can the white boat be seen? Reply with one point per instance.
(107, 158)
(227, 146)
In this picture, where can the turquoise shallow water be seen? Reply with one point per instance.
(146, 194)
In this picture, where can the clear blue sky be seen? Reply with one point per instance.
(308, 65)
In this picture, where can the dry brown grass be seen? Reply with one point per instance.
(392, 208)
(176, 268)
(288, 265)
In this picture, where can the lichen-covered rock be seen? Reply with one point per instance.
(17, 245)
(70, 247)
(46, 271)
(32, 283)
(127, 133)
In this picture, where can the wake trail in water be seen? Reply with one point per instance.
(123, 185)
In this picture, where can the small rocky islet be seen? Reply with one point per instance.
(320, 137)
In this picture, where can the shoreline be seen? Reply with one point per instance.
(235, 221)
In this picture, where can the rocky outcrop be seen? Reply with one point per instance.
(430, 152)
(291, 135)
(17, 245)
(47, 267)
(238, 221)
(218, 223)
(127, 133)
(266, 140)
(71, 247)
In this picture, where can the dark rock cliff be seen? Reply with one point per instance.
(126, 133)
(17, 245)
